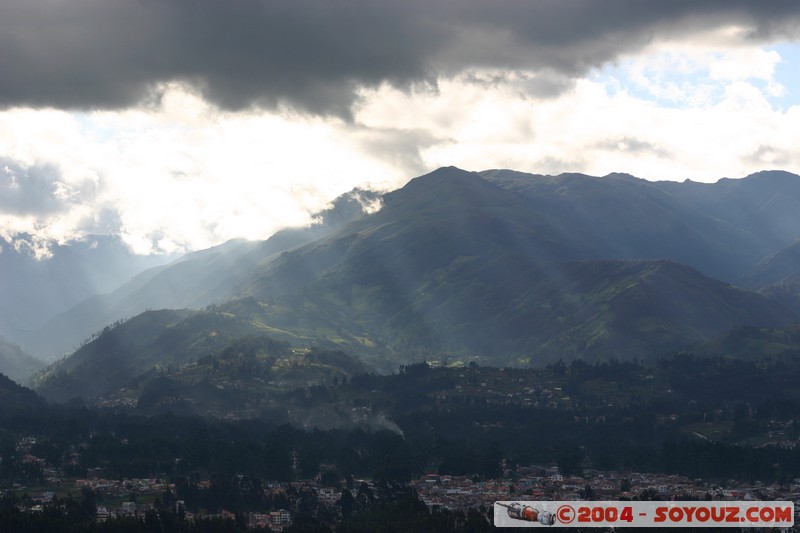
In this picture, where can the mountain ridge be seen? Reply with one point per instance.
(499, 267)
(455, 265)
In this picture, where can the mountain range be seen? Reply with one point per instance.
(499, 267)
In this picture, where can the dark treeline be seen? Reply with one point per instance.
(465, 435)
(451, 443)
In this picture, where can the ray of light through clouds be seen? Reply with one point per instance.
(183, 174)
(214, 151)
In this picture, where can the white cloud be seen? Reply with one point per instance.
(697, 112)
(182, 175)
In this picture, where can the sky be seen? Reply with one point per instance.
(179, 124)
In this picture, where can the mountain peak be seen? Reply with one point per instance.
(443, 188)
(622, 176)
(772, 176)
(443, 175)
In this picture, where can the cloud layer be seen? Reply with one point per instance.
(314, 55)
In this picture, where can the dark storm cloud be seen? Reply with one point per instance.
(314, 54)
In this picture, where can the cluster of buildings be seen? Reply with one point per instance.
(545, 483)
(124, 487)
(124, 509)
(273, 520)
(269, 520)
(464, 492)
(451, 492)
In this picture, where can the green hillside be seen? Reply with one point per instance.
(456, 265)
(754, 344)
(511, 310)
(500, 267)
(254, 376)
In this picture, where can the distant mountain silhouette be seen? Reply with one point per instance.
(722, 229)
